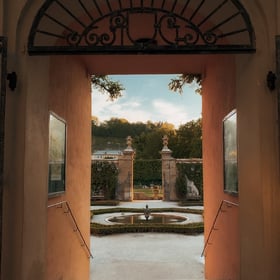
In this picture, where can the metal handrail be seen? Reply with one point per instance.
(77, 229)
(215, 220)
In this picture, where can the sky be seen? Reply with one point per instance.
(147, 98)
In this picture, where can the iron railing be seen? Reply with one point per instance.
(67, 210)
(220, 210)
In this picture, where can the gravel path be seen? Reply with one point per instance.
(147, 256)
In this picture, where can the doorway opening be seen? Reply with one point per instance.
(147, 110)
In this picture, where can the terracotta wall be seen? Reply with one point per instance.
(247, 240)
(218, 99)
(259, 149)
(70, 99)
(25, 192)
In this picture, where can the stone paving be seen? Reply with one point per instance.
(147, 256)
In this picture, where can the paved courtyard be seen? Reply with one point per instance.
(147, 256)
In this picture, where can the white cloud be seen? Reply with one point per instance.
(145, 101)
(170, 112)
(130, 109)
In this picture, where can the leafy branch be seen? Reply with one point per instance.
(177, 84)
(113, 89)
(106, 85)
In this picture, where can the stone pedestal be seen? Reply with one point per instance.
(168, 172)
(125, 186)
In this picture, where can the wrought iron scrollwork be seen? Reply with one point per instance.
(113, 26)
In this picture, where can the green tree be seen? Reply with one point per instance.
(107, 85)
(187, 143)
(149, 143)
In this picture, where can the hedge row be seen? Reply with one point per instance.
(190, 203)
(104, 202)
(190, 229)
(139, 210)
(147, 172)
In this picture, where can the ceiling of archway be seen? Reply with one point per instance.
(141, 26)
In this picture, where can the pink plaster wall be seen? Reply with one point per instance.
(222, 256)
(25, 182)
(70, 99)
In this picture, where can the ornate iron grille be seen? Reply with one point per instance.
(141, 26)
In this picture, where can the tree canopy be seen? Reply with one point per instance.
(185, 142)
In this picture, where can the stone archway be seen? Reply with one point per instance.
(43, 40)
(47, 41)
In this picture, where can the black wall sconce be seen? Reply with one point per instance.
(271, 80)
(12, 78)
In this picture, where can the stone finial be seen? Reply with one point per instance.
(165, 142)
(129, 143)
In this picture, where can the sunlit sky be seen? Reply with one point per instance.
(147, 98)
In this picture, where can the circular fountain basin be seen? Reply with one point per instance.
(158, 218)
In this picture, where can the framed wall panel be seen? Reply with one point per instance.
(230, 153)
(57, 154)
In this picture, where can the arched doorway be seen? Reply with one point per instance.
(61, 37)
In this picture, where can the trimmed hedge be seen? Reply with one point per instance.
(104, 179)
(190, 203)
(190, 229)
(105, 202)
(147, 172)
(140, 210)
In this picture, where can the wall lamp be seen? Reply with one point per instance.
(271, 80)
(12, 78)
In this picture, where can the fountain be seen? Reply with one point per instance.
(147, 217)
(147, 212)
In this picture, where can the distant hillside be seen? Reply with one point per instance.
(185, 142)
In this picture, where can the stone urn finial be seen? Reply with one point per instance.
(165, 142)
(129, 143)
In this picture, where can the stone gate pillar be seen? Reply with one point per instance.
(125, 178)
(168, 172)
